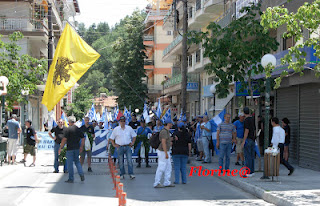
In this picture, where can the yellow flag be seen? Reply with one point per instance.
(73, 57)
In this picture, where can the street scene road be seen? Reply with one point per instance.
(25, 186)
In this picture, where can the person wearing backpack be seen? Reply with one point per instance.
(164, 159)
(181, 149)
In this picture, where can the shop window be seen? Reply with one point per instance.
(287, 43)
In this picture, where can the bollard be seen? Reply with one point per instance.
(123, 199)
(116, 184)
(120, 190)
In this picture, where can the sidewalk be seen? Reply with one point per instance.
(301, 188)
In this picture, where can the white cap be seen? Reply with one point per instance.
(241, 114)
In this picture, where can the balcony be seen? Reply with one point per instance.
(225, 19)
(175, 80)
(148, 40)
(173, 47)
(22, 24)
(154, 89)
(149, 64)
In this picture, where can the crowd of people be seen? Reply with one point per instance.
(178, 141)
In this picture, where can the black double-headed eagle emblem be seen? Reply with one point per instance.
(62, 69)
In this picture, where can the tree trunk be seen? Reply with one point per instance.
(184, 65)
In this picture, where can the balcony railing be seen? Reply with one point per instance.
(168, 14)
(173, 44)
(147, 38)
(225, 19)
(21, 24)
(148, 62)
(178, 78)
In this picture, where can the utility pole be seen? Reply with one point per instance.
(50, 40)
(184, 65)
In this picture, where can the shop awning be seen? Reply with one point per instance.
(222, 103)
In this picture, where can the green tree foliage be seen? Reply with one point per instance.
(235, 50)
(95, 81)
(82, 101)
(23, 71)
(129, 62)
(307, 18)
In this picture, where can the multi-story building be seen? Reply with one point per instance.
(156, 39)
(31, 18)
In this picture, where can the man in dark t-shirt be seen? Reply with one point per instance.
(134, 123)
(88, 131)
(249, 141)
(72, 137)
(58, 132)
(30, 145)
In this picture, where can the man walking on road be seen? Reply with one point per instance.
(249, 139)
(164, 159)
(14, 131)
(123, 138)
(72, 137)
(239, 124)
(278, 138)
(30, 145)
(144, 132)
(58, 136)
(226, 134)
(206, 138)
(89, 131)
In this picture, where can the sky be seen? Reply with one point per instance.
(110, 11)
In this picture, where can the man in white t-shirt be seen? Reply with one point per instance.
(278, 137)
(123, 138)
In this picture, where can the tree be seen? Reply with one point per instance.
(23, 71)
(236, 50)
(128, 70)
(307, 17)
(95, 81)
(81, 102)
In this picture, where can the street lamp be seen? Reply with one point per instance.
(213, 91)
(137, 110)
(268, 61)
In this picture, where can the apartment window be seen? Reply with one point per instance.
(198, 56)
(169, 33)
(198, 5)
(190, 13)
(287, 43)
(190, 61)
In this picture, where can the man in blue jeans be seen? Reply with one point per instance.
(123, 138)
(58, 132)
(72, 137)
(226, 135)
(249, 141)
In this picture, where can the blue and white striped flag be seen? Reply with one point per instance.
(146, 113)
(159, 110)
(129, 117)
(100, 143)
(92, 113)
(126, 114)
(166, 116)
(218, 119)
(105, 119)
(116, 112)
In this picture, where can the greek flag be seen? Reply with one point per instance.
(103, 116)
(109, 116)
(92, 113)
(166, 116)
(218, 119)
(159, 110)
(126, 114)
(115, 112)
(146, 113)
(182, 117)
(100, 143)
(98, 116)
(129, 117)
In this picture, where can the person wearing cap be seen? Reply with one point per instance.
(239, 124)
(164, 158)
(30, 145)
(14, 130)
(144, 132)
(72, 136)
(58, 132)
(181, 149)
(123, 138)
(175, 124)
(87, 130)
(249, 141)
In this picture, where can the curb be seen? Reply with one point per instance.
(254, 190)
